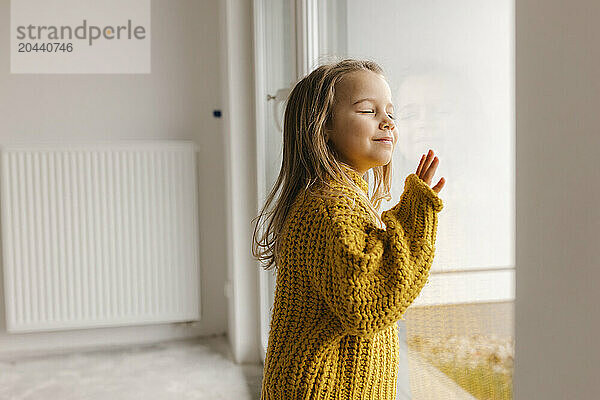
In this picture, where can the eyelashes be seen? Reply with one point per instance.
(370, 111)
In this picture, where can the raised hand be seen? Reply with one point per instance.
(426, 170)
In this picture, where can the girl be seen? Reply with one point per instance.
(345, 275)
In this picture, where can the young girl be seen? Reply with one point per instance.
(345, 275)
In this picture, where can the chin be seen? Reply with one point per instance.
(381, 164)
(385, 161)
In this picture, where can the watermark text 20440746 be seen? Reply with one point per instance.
(92, 37)
(26, 47)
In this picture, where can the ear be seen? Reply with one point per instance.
(326, 133)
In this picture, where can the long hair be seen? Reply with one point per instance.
(309, 163)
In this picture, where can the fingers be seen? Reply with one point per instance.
(427, 167)
(424, 164)
(426, 170)
(430, 171)
(439, 185)
(420, 166)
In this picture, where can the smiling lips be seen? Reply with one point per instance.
(385, 140)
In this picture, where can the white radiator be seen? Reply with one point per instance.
(99, 235)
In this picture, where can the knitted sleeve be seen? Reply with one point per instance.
(372, 275)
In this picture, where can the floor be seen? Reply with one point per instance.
(196, 369)
(200, 368)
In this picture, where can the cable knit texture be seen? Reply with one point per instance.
(341, 286)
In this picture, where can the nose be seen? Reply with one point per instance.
(387, 124)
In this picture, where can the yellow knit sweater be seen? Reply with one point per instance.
(341, 286)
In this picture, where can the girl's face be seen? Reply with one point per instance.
(362, 115)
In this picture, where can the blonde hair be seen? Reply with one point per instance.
(309, 162)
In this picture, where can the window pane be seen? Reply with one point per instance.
(450, 68)
(279, 74)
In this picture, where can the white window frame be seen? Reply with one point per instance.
(489, 284)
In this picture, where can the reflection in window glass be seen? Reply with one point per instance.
(449, 66)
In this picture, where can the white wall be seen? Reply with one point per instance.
(557, 216)
(175, 101)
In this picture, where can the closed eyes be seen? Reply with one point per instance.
(370, 111)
